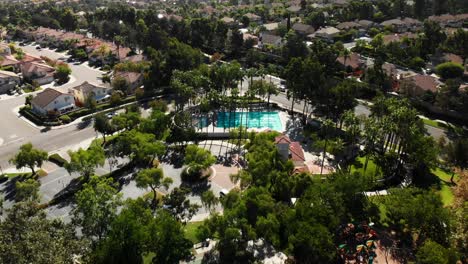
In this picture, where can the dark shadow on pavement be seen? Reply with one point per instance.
(84, 124)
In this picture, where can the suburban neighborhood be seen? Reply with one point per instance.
(234, 131)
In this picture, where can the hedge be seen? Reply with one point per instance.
(57, 159)
(26, 112)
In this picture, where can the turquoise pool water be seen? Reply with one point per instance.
(250, 120)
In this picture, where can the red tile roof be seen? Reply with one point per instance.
(295, 149)
(352, 61)
(425, 82)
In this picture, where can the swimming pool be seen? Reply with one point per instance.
(250, 120)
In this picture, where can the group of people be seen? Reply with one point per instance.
(357, 243)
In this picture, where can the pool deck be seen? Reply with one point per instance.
(283, 116)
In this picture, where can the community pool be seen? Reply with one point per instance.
(250, 120)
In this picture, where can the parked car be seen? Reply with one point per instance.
(282, 86)
(110, 114)
(223, 192)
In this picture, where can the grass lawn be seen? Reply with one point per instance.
(445, 190)
(13, 175)
(190, 231)
(434, 123)
(148, 257)
(359, 167)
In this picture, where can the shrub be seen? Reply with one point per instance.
(116, 98)
(57, 159)
(41, 173)
(139, 93)
(65, 119)
(159, 105)
(62, 73)
(106, 68)
(26, 112)
(450, 70)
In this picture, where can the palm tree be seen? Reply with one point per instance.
(327, 126)
(346, 53)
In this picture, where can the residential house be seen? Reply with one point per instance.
(418, 84)
(267, 39)
(291, 150)
(52, 102)
(367, 24)
(254, 18)
(326, 33)
(403, 25)
(303, 29)
(387, 39)
(448, 20)
(271, 27)
(351, 25)
(348, 25)
(9, 61)
(437, 59)
(99, 93)
(8, 81)
(352, 63)
(247, 36)
(294, 9)
(41, 73)
(4, 49)
(229, 21)
(134, 80)
(136, 58)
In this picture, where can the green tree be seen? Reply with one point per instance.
(28, 236)
(167, 240)
(128, 237)
(154, 179)
(62, 72)
(27, 190)
(432, 253)
(120, 84)
(86, 161)
(197, 158)
(116, 98)
(209, 200)
(91, 103)
(29, 157)
(179, 205)
(457, 154)
(103, 126)
(450, 70)
(69, 20)
(96, 207)
(422, 212)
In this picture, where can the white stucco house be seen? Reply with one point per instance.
(52, 102)
(100, 93)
